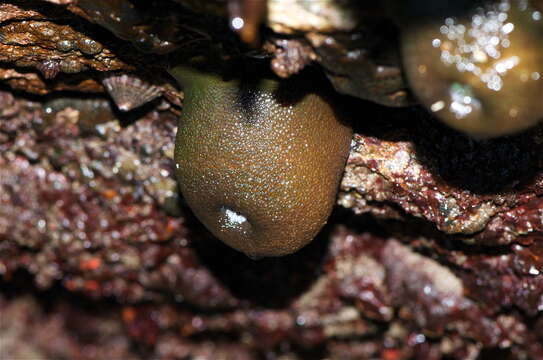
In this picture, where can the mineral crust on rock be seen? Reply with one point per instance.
(435, 252)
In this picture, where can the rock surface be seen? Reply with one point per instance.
(436, 249)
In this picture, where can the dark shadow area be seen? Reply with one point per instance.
(481, 166)
(268, 282)
(359, 223)
(496, 353)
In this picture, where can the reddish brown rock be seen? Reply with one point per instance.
(485, 192)
(437, 252)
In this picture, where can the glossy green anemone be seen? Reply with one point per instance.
(480, 68)
(259, 162)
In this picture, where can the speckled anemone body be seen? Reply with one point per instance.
(259, 161)
(478, 66)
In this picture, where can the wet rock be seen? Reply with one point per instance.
(436, 252)
(460, 185)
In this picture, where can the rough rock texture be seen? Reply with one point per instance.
(487, 192)
(436, 251)
(90, 195)
(62, 332)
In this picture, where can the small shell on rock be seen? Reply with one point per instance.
(72, 66)
(129, 92)
(49, 68)
(89, 46)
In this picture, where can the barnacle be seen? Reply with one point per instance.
(49, 68)
(129, 92)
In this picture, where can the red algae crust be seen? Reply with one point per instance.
(90, 213)
(435, 252)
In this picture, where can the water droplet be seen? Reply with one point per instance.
(237, 23)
